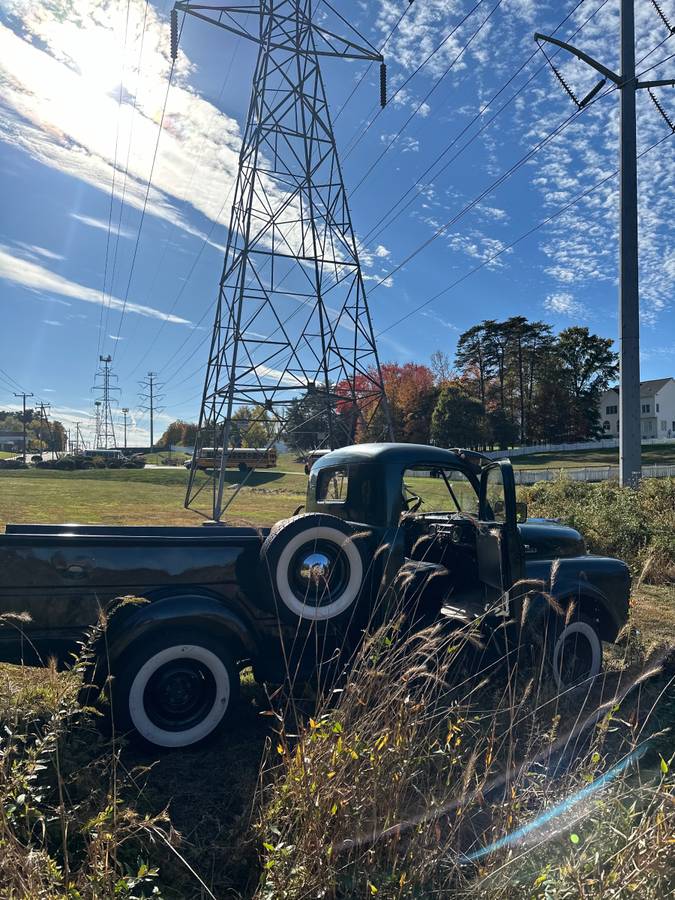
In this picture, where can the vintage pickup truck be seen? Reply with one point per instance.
(220, 598)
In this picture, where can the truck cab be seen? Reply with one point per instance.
(460, 545)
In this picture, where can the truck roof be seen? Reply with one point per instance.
(403, 454)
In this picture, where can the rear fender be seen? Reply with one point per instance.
(135, 621)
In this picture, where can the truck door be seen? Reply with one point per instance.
(500, 563)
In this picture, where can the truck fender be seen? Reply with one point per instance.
(135, 621)
(589, 599)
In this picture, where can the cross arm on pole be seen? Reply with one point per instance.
(228, 18)
(584, 57)
(663, 82)
(223, 17)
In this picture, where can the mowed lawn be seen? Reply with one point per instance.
(138, 497)
(652, 454)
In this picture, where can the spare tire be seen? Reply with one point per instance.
(316, 567)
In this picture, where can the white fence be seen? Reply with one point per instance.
(589, 473)
(604, 444)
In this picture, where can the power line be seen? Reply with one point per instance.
(114, 175)
(353, 143)
(370, 65)
(491, 187)
(518, 240)
(379, 226)
(126, 170)
(436, 84)
(145, 199)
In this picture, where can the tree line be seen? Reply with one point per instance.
(41, 434)
(510, 382)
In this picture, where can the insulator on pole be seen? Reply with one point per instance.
(383, 85)
(174, 33)
(593, 91)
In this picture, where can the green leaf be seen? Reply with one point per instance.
(574, 838)
(664, 766)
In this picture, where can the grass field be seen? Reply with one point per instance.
(652, 454)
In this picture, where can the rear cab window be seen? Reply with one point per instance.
(333, 485)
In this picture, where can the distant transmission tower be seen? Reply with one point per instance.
(149, 400)
(105, 427)
(291, 317)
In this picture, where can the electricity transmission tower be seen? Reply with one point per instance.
(105, 427)
(292, 321)
(149, 398)
(630, 448)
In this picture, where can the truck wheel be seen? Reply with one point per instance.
(575, 650)
(316, 567)
(174, 690)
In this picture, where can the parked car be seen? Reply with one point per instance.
(221, 597)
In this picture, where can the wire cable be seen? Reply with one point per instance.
(376, 230)
(522, 237)
(145, 199)
(112, 187)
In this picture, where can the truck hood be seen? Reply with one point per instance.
(547, 539)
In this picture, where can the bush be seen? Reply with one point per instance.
(13, 464)
(137, 461)
(637, 526)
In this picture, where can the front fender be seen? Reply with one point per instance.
(599, 585)
(132, 622)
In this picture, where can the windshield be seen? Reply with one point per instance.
(434, 489)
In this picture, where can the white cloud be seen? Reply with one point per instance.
(33, 251)
(58, 102)
(52, 322)
(102, 225)
(34, 277)
(434, 316)
(563, 304)
(382, 251)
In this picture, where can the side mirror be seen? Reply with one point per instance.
(521, 511)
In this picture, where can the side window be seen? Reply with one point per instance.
(332, 485)
(494, 494)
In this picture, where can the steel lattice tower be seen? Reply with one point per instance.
(291, 316)
(105, 427)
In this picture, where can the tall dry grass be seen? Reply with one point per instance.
(423, 776)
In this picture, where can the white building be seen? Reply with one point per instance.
(657, 405)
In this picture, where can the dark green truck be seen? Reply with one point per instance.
(436, 531)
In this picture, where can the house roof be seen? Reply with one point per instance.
(649, 387)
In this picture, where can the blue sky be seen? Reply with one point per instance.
(65, 135)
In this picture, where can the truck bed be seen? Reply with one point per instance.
(63, 575)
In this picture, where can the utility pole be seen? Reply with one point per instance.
(125, 413)
(44, 421)
(78, 437)
(23, 396)
(150, 397)
(630, 448)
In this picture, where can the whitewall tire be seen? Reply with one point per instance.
(174, 692)
(316, 567)
(577, 653)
